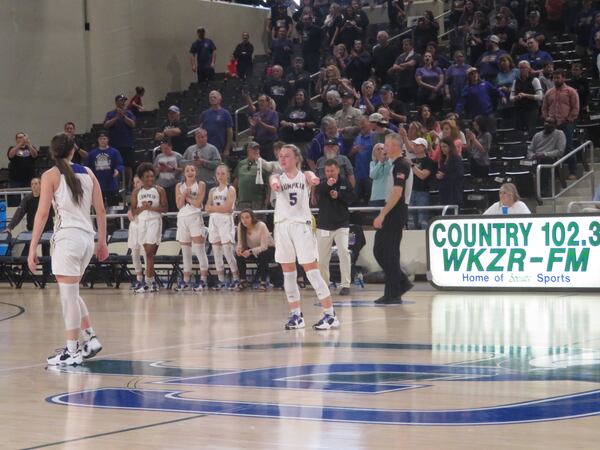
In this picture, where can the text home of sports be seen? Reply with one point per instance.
(515, 252)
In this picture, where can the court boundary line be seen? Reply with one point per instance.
(20, 308)
(123, 430)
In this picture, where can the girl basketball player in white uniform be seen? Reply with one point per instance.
(148, 203)
(73, 189)
(221, 230)
(190, 227)
(133, 242)
(294, 238)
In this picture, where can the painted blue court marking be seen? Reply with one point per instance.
(556, 408)
(365, 303)
(349, 378)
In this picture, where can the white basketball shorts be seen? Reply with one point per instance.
(72, 250)
(295, 240)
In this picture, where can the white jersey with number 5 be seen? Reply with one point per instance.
(293, 201)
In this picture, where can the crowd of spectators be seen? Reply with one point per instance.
(444, 101)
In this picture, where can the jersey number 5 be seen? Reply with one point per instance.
(293, 198)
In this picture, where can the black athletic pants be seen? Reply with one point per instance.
(263, 259)
(387, 253)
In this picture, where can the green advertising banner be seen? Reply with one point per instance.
(535, 252)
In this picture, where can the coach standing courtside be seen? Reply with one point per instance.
(390, 223)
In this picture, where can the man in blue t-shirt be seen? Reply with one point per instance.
(107, 165)
(203, 56)
(536, 57)
(218, 124)
(120, 124)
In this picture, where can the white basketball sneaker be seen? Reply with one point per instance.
(91, 348)
(64, 357)
(327, 322)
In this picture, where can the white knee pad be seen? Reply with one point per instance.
(136, 259)
(318, 284)
(200, 252)
(82, 307)
(218, 254)
(230, 257)
(69, 298)
(290, 286)
(186, 251)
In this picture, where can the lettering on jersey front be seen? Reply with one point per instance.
(294, 185)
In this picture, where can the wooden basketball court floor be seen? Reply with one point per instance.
(445, 370)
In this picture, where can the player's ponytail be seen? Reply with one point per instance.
(60, 147)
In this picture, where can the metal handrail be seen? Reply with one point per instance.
(582, 203)
(553, 166)
(236, 119)
(15, 191)
(444, 208)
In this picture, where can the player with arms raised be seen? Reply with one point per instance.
(294, 238)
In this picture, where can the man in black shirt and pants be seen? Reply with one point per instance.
(390, 223)
(334, 195)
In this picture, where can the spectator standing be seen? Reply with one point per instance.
(397, 108)
(546, 76)
(405, 68)
(21, 165)
(278, 89)
(80, 153)
(384, 55)
(280, 21)
(120, 124)
(249, 183)
(583, 26)
(506, 34)
(582, 86)
(281, 50)
(425, 31)
(479, 97)
(489, 61)
(218, 124)
(203, 56)
(243, 54)
(254, 243)
(430, 80)
(450, 174)
(546, 147)
(298, 77)
(107, 165)
(328, 131)
(379, 171)
(174, 129)
(311, 39)
(561, 103)
(396, 15)
(389, 225)
(456, 78)
(369, 99)
(333, 103)
(332, 152)
(479, 144)
(332, 24)
(536, 57)
(510, 202)
(347, 118)
(526, 95)
(135, 105)
(358, 67)
(362, 152)
(423, 169)
(264, 124)
(204, 157)
(167, 165)
(334, 196)
(298, 121)
(352, 28)
(532, 29)
(506, 75)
